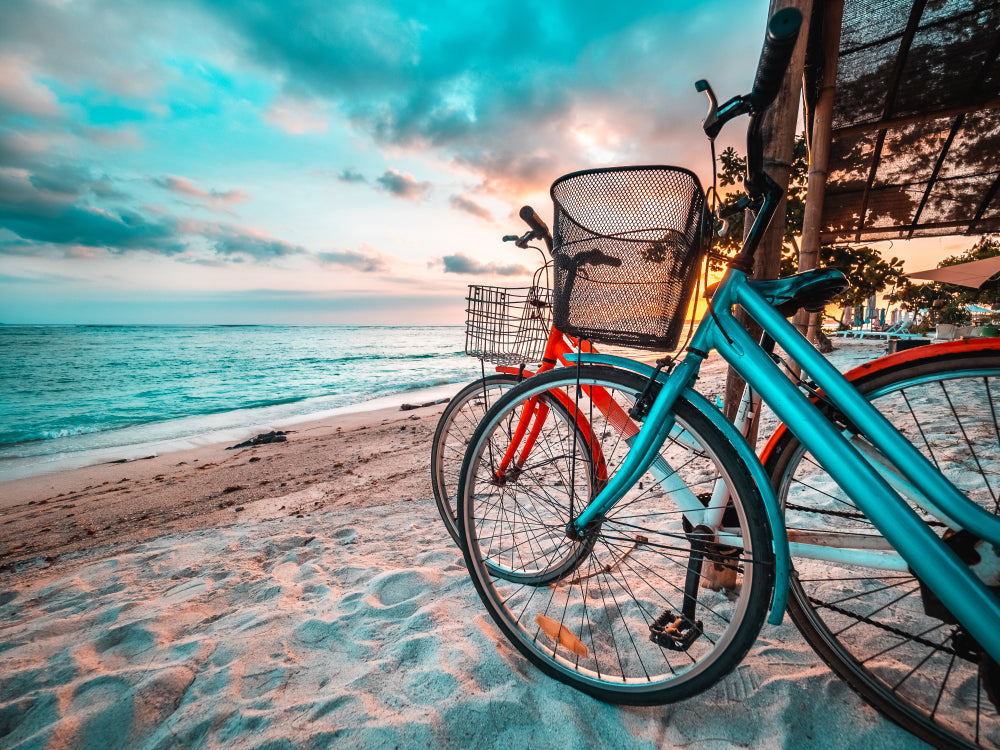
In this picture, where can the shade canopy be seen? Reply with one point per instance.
(915, 146)
(973, 274)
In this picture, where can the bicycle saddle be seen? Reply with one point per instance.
(812, 290)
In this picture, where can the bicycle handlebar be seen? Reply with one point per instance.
(527, 213)
(538, 230)
(779, 43)
(763, 193)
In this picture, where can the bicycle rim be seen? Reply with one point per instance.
(654, 610)
(898, 648)
(451, 438)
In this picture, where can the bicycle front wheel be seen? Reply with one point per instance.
(876, 627)
(660, 599)
(451, 438)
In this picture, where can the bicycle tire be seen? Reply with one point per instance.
(451, 437)
(871, 627)
(615, 626)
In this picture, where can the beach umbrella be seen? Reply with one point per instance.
(973, 274)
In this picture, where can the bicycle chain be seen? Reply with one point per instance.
(895, 631)
(844, 514)
(854, 615)
(838, 513)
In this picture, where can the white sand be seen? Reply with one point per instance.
(348, 626)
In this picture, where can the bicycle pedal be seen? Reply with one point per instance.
(674, 633)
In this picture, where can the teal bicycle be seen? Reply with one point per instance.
(873, 514)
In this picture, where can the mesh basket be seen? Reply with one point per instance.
(628, 245)
(507, 326)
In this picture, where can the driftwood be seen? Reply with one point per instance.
(275, 436)
(411, 407)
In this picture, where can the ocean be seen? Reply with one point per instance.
(78, 395)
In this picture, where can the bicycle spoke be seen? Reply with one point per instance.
(587, 609)
(879, 629)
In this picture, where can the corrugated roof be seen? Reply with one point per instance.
(915, 148)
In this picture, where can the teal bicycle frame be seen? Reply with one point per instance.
(951, 580)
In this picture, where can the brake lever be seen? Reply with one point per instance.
(713, 108)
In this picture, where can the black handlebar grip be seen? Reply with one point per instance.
(527, 213)
(779, 42)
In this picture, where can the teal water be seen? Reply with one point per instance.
(76, 389)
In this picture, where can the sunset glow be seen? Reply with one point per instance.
(204, 163)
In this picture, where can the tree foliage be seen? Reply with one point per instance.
(866, 269)
(950, 299)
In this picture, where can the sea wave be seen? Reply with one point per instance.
(79, 391)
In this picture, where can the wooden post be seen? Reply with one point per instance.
(819, 154)
(779, 143)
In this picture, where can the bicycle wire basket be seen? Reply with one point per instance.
(627, 248)
(508, 326)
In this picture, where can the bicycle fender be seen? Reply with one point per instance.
(611, 360)
(776, 519)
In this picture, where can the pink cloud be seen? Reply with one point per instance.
(214, 200)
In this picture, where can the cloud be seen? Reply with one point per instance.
(539, 90)
(108, 46)
(296, 116)
(49, 211)
(368, 260)
(21, 92)
(351, 175)
(402, 185)
(213, 200)
(463, 264)
(469, 206)
(69, 212)
(237, 243)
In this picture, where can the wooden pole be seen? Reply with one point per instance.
(779, 143)
(819, 155)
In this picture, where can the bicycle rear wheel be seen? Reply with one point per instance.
(454, 430)
(655, 606)
(903, 653)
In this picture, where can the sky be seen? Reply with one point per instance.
(329, 162)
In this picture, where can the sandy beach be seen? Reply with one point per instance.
(304, 594)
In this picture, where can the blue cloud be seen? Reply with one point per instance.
(463, 264)
(366, 262)
(497, 86)
(402, 185)
(351, 175)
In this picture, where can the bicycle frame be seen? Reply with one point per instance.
(559, 350)
(938, 566)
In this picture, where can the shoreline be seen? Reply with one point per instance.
(343, 460)
(349, 457)
(27, 467)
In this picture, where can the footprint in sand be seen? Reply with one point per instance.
(392, 589)
(126, 642)
(100, 714)
(346, 536)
